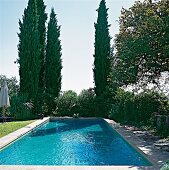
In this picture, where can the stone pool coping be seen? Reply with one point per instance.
(22, 167)
(156, 157)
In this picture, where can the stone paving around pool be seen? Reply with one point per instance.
(143, 143)
(75, 168)
(146, 148)
(22, 167)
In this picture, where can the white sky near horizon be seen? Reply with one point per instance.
(76, 18)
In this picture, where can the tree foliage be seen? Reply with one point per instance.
(20, 108)
(53, 63)
(29, 51)
(65, 103)
(86, 104)
(137, 108)
(42, 38)
(102, 64)
(143, 42)
(86, 101)
(141, 110)
(12, 84)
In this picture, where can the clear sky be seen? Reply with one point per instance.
(76, 18)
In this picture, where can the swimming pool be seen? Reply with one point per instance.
(72, 142)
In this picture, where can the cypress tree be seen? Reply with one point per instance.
(29, 51)
(42, 36)
(102, 59)
(53, 57)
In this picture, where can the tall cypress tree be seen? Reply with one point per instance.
(102, 59)
(29, 51)
(42, 36)
(53, 57)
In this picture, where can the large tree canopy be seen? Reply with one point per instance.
(29, 51)
(143, 42)
(42, 38)
(53, 57)
(102, 64)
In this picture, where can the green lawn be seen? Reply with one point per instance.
(8, 127)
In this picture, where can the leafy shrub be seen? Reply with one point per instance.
(20, 108)
(102, 106)
(46, 104)
(160, 122)
(86, 104)
(146, 103)
(139, 107)
(86, 101)
(122, 109)
(163, 130)
(65, 103)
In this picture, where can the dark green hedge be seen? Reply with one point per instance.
(138, 107)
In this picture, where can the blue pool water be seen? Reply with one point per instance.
(72, 142)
